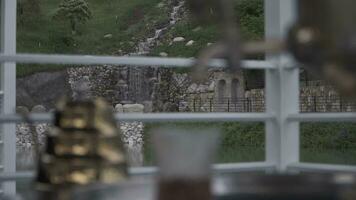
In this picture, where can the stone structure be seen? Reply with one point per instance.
(229, 87)
(124, 85)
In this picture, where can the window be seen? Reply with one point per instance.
(281, 117)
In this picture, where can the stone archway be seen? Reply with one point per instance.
(221, 93)
(235, 86)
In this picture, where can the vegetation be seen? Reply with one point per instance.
(128, 21)
(250, 14)
(75, 11)
(244, 142)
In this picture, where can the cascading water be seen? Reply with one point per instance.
(139, 84)
(145, 47)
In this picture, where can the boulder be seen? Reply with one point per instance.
(198, 28)
(43, 88)
(148, 106)
(119, 108)
(133, 108)
(212, 87)
(108, 36)
(190, 43)
(163, 54)
(38, 109)
(22, 110)
(179, 39)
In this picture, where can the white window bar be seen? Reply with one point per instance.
(157, 117)
(282, 89)
(138, 171)
(123, 60)
(8, 86)
(311, 167)
(323, 117)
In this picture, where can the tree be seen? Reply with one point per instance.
(75, 11)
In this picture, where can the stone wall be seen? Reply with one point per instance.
(312, 99)
(115, 84)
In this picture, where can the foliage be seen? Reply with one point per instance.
(42, 34)
(340, 136)
(27, 10)
(239, 142)
(250, 14)
(75, 11)
(244, 142)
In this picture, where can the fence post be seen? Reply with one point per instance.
(249, 101)
(314, 102)
(228, 105)
(340, 103)
(194, 104)
(200, 105)
(211, 105)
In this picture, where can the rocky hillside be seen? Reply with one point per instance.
(124, 27)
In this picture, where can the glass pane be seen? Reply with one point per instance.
(319, 95)
(239, 142)
(123, 27)
(330, 143)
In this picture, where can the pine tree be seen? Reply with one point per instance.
(75, 11)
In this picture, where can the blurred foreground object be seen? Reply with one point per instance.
(185, 158)
(324, 40)
(83, 148)
(221, 12)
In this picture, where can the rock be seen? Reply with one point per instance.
(108, 36)
(211, 86)
(133, 108)
(22, 110)
(190, 43)
(119, 108)
(192, 88)
(179, 39)
(38, 109)
(198, 28)
(52, 110)
(163, 54)
(161, 5)
(43, 88)
(148, 106)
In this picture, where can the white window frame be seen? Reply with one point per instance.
(282, 115)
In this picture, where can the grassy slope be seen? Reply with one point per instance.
(127, 20)
(249, 12)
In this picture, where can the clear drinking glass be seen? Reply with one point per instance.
(185, 159)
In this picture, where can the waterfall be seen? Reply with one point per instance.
(145, 47)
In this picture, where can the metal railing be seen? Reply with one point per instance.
(307, 104)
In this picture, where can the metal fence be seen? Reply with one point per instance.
(307, 104)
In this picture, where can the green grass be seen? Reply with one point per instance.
(245, 142)
(129, 21)
(236, 142)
